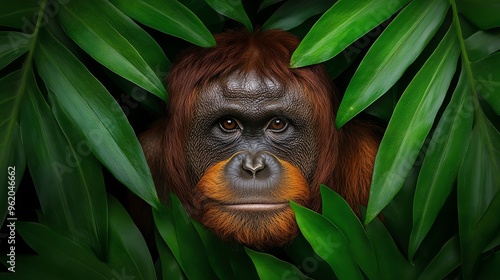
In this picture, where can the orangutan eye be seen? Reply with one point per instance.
(277, 124)
(229, 124)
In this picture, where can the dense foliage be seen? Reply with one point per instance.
(73, 72)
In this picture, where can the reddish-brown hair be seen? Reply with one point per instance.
(346, 156)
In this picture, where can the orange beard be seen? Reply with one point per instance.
(260, 229)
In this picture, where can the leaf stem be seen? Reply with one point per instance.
(29, 60)
(465, 57)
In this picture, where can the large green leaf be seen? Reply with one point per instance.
(488, 268)
(478, 183)
(170, 267)
(19, 14)
(444, 262)
(267, 3)
(482, 43)
(216, 251)
(336, 209)
(487, 77)
(170, 17)
(482, 13)
(391, 54)
(127, 249)
(68, 259)
(12, 45)
(303, 256)
(11, 149)
(442, 161)
(191, 250)
(410, 123)
(269, 267)
(293, 13)
(341, 25)
(116, 42)
(96, 116)
(165, 224)
(68, 179)
(231, 9)
(391, 264)
(327, 241)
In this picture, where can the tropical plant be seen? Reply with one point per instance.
(72, 74)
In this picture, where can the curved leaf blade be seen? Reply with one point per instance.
(487, 79)
(327, 241)
(96, 115)
(63, 176)
(193, 257)
(482, 13)
(170, 17)
(69, 259)
(482, 43)
(170, 267)
(392, 53)
(478, 183)
(231, 9)
(336, 209)
(116, 42)
(12, 45)
(444, 262)
(391, 263)
(127, 249)
(293, 13)
(270, 267)
(334, 31)
(442, 162)
(410, 123)
(11, 148)
(19, 14)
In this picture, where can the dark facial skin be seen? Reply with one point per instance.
(252, 121)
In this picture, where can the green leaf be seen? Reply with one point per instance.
(482, 13)
(444, 262)
(391, 264)
(231, 9)
(191, 250)
(11, 148)
(488, 269)
(19, 14)
(69, 259)
(338, 211)
(212, 20)
(478, 183)
(68, 179)
(164, 221)
(12, 45)
(442, 161)
(487, 79)
(96, 116)
(303, 256)
(170, 267)
(115, 41)
(340, 26)
(127, 251)
(270, 267)
(410, 123)
(170, 17)
(216, 251)
(482, 43)
(327, 241)
(391, 54)
(293, 13)
(267, 3)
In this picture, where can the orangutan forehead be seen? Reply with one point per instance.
(251, 85)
